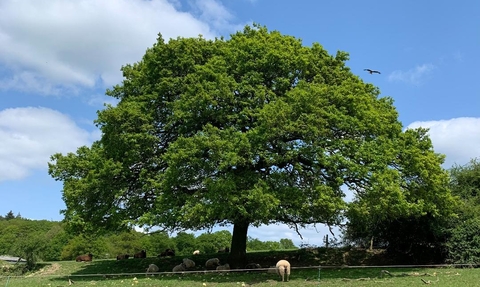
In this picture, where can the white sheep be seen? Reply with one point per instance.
(212, 263)
(152, 268)
(223, 267)
(179, 268)
(283, 267)
(196, 252)
(188, 263)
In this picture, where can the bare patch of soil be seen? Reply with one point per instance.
(47, 270)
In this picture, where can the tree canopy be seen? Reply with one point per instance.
(255, 129)
(464, 242)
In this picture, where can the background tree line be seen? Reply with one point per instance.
(50, 241)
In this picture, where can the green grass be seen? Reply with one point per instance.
(300, 277)
(103, 273)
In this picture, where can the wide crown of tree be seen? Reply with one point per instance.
(256, 129)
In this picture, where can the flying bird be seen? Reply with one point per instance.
(372, 71)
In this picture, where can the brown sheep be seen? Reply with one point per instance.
(85, 258)
(123, 256)
(141, 254)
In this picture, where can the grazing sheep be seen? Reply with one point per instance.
(179, 268)
(223, 267)
(141, 254)
(152, 268)
(123, 256)
(283, 267)
(85, 258)
(196, 252)
(212, 263)
(253, 266)
(224, 250)
(188, 263)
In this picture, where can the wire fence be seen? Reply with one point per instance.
(258, 270)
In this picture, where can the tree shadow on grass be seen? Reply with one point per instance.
(304, 262)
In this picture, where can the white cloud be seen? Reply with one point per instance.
(457, 138)
(29, 136)
(213, 12)
(55, 44)
(413, 76)
(99, 100)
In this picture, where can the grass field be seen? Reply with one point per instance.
(131, 272)
(59, 273)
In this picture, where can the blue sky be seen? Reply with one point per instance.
(58, 57)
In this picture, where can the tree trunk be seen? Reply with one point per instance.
(238, 251)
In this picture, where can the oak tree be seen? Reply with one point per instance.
(250, 130)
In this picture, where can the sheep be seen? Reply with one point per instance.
(223, 267)
(179, 268)
(85, 258)
(123, 256)
(253, 266)
(212, 263)
(188, 263)
(283, 267)
(152, 268)
(196, 252)
(141, 254)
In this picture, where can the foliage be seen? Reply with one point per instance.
(256, 129)
(83, 244)
(125, 243)
(212, 242)
(158, 242)
(254, 244)
(29, 246)
(40, 240)
(464, 243)
(185, 243)
(9, 215)
(410, 209)
(56, 238)
(25, 238)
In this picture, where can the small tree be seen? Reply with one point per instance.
(30, 246)
(9, 215)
